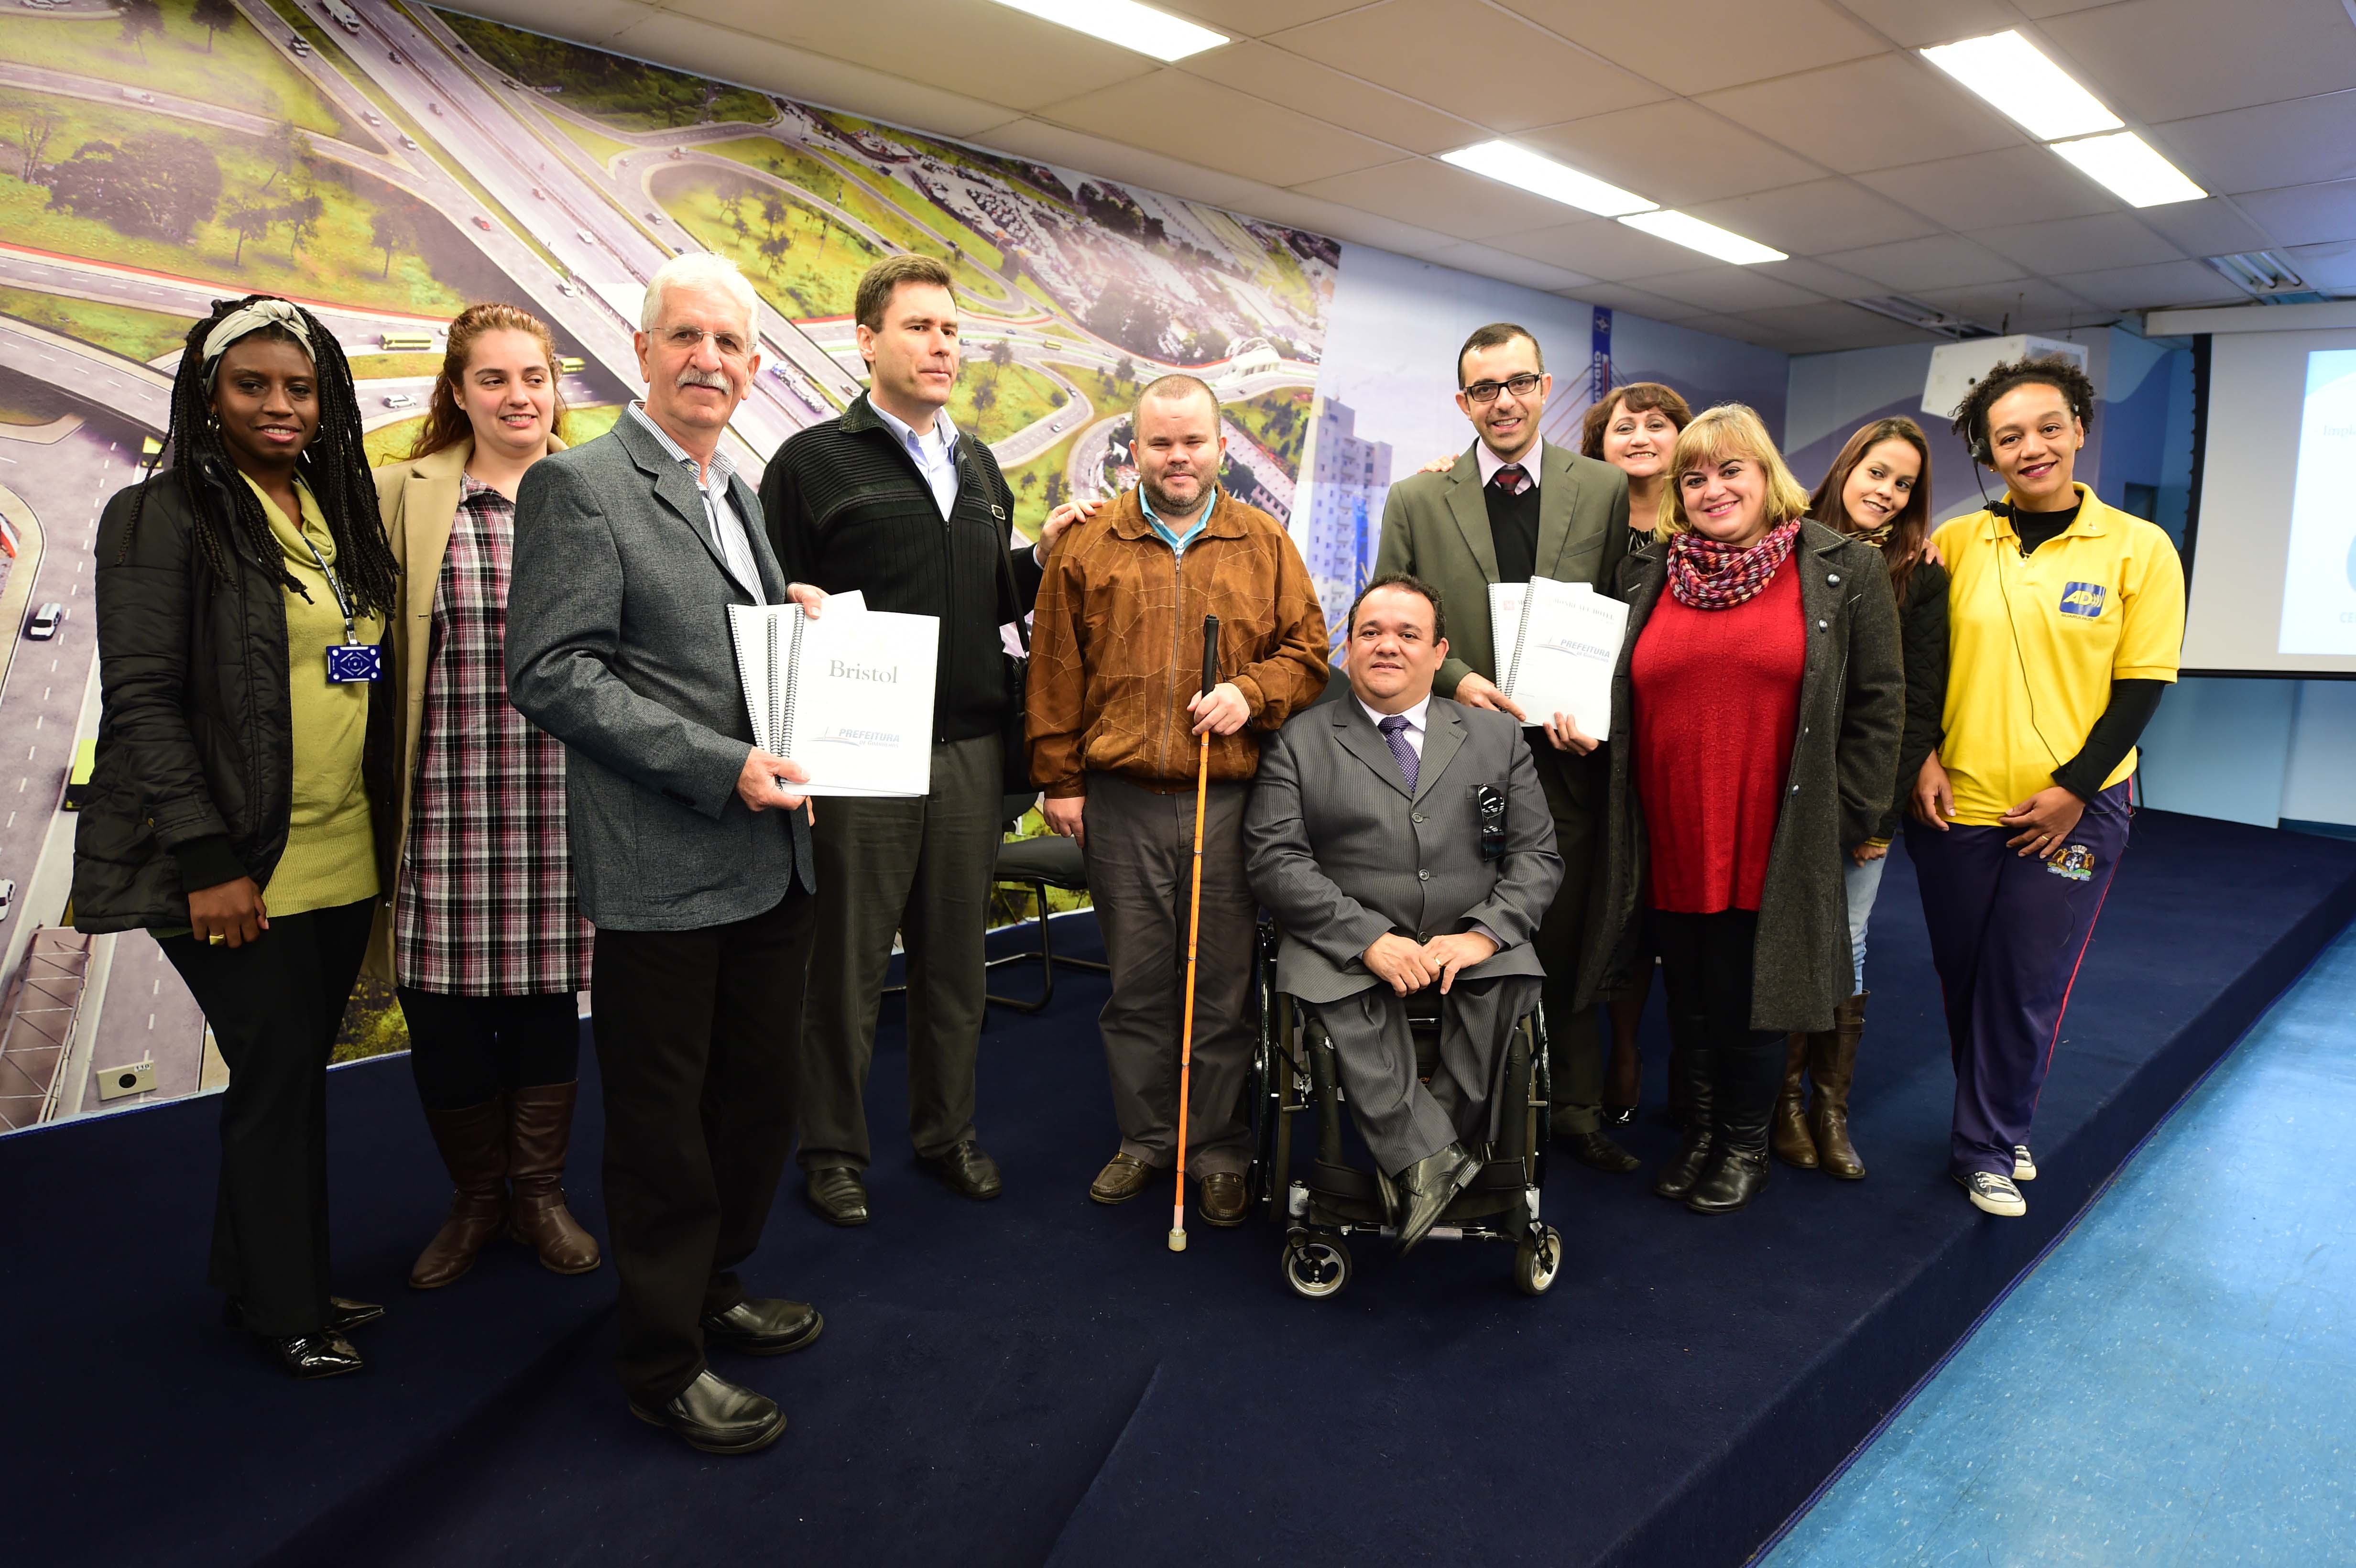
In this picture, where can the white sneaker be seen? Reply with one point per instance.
(1993, 1194)
(2024, 1164)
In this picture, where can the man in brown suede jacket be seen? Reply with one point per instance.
(1114, 720)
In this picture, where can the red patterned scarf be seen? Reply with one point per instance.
(1706, 574)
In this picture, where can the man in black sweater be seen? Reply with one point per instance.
(890, 499)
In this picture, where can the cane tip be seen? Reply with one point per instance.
(1177, 1240)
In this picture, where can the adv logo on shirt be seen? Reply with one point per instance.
(2082, 599)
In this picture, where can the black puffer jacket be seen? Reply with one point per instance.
(1922, 633)
(193, 784)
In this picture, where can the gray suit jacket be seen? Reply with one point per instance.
(618, 646)
(1339, 853)
(1436, 527)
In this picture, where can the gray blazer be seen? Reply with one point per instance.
(618, 646)
(1436, 527)
(1340, 854)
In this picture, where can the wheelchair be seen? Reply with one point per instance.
(1294, 1071)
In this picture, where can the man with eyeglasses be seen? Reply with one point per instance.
(1512, 507)
(891, 499)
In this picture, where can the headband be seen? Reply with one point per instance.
(251, 318)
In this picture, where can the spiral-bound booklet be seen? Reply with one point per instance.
(1558, 645)
(848, 696)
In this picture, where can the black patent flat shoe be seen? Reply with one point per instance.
(344, 1315)
(314, 1356)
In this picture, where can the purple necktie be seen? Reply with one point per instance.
(1394, 731)
(1510, 478)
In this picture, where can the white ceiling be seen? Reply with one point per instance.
(1808, 124)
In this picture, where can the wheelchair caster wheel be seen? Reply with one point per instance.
(1535, 1261)
(1315, 1268)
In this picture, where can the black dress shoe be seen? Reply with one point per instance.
(310, 1356)
(966, 1170)
(1597, 1150)
(838, 1194)
(344, 1315)
(764, 1327)
(716, 1416)
(1427, 1187)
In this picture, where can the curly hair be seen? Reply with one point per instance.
(446, 424)
(1971, 415)
(1636, 397)
(335, 466)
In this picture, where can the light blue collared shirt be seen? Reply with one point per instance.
(727, 528)
(935, 454)
(1177, 542)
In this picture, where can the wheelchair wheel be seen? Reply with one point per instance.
(1537, 1260)
(1315, 1266)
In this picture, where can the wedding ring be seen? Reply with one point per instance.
(214, 938)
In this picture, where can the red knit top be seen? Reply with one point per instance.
(1718, 705)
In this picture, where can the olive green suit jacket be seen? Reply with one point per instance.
(1436, 527)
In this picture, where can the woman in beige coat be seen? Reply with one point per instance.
(488, 951)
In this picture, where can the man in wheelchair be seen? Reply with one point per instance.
(1403, 844)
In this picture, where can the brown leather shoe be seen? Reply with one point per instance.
(1832, 1063)
(474, 1143)
(540, 1128)
(1225, 1199)
(1124, 1177)
(1788, 1129)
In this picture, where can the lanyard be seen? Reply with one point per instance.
(335, 585)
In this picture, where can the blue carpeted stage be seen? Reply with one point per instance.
(1039, 1380)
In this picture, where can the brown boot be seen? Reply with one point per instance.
(1832, 1063)
(474, 1144)
(538, 1128)
(1790, 1126)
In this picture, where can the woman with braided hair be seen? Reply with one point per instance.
(240, 805)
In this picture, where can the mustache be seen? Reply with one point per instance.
(693, 377)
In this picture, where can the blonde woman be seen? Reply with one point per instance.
(487, 950)
(1755, 716)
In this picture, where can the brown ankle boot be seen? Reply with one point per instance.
(1790, 1126)
(1832, 1063)
(474, 1144)
(540, 1127)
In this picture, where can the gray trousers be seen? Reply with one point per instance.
(1141, 857)
(1374, 1050)
(1574, 788)
(922, 868)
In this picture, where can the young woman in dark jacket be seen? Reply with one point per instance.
(1878, 491)
(238, 806)
(1755, 718)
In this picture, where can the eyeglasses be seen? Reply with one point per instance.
(687, 339)
(1521, 386)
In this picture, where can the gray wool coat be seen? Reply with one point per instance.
(1844, 763)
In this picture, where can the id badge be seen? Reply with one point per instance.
(349, 662)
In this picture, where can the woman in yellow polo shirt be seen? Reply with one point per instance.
(2064, 618)
(238, 806)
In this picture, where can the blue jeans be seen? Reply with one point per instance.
(1863, 885)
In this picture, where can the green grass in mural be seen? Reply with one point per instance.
(935, 218)
(627, 94)
(338, 262)
(1278, 421)
(1008, 905)
(602, 148)
(804, 264)
(26, 402)
(372, 1023)
(240, 70)
(589, 423)
(393, 367)
(1038, 485)
(135, 333)
(992, 402)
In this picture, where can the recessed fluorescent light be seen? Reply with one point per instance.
(1543, 176)
(1707, 238)
(2134, 172)
(1126, 23)
(2008, 71)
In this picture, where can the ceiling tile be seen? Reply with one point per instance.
(2080, 244)
(1750, 40)
(1943, 260)
(2143, 288)
(2165, 60)
(1675, 153)
(1636, 302)
(1467, 257)
(1990, 190)
(1600, 249)
(1741, 328)
(1266, 71)
(1468, 58)
(2024, 304)
(1868, 114)
(2211, 227)
(1024, 61)
(1819, 215)
(1825, 282)
(1254, 18)
(1823, 329)
(2261, 149)
(1917, 24)
(1731, 289)
(1187, 117)
(1436, 196)
(2304, 214)
(2331, 269)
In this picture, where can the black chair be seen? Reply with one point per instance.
(1039, 864)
